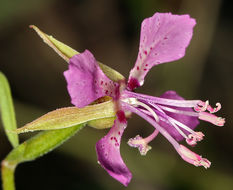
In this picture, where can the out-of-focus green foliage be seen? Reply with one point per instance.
(12, 9)
(7, 111)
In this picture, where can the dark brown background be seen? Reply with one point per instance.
(110, 30)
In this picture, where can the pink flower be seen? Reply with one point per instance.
(164, 38)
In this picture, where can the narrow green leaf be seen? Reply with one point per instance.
(68, 117)
(67, 52)
(7, 111)
(33, 148)
(41, 143)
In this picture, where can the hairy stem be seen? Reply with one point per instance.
(8, 169)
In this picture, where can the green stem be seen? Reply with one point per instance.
(8, 169)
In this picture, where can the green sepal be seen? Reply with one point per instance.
(67, 52)
(70, 116)
(102, 123)
(7, 111)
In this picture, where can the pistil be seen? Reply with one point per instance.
(142, 143)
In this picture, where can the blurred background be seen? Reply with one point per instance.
(110, 30)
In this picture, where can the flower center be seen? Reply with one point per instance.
(136, 103)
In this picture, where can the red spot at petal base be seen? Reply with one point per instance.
(121, 116)
(133, 83)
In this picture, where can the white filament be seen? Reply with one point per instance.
(135, 102)
(172, 122)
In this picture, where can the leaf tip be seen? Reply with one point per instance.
(35, 28)
(32, 26)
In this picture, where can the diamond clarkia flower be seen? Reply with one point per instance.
(164, 38)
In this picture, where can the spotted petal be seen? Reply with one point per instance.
(164, 38)
(189, 121)
(108, 151)
(86, 82)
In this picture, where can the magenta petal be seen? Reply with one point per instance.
(108, 151)
(86, 82)
(164, 38)
(189, 121)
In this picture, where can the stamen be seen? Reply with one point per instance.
(179, 130)
(182, 125)
(201, 106)
(194, 138)
(161, 101)
(169, 120)
(150, 110)
(156, 107)
(176, 124)
(185, 153)
(188, 113)
(214, 110)
(135, 102)
(219, 121)
(193, 158)
(152, 122)
(131, 101)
